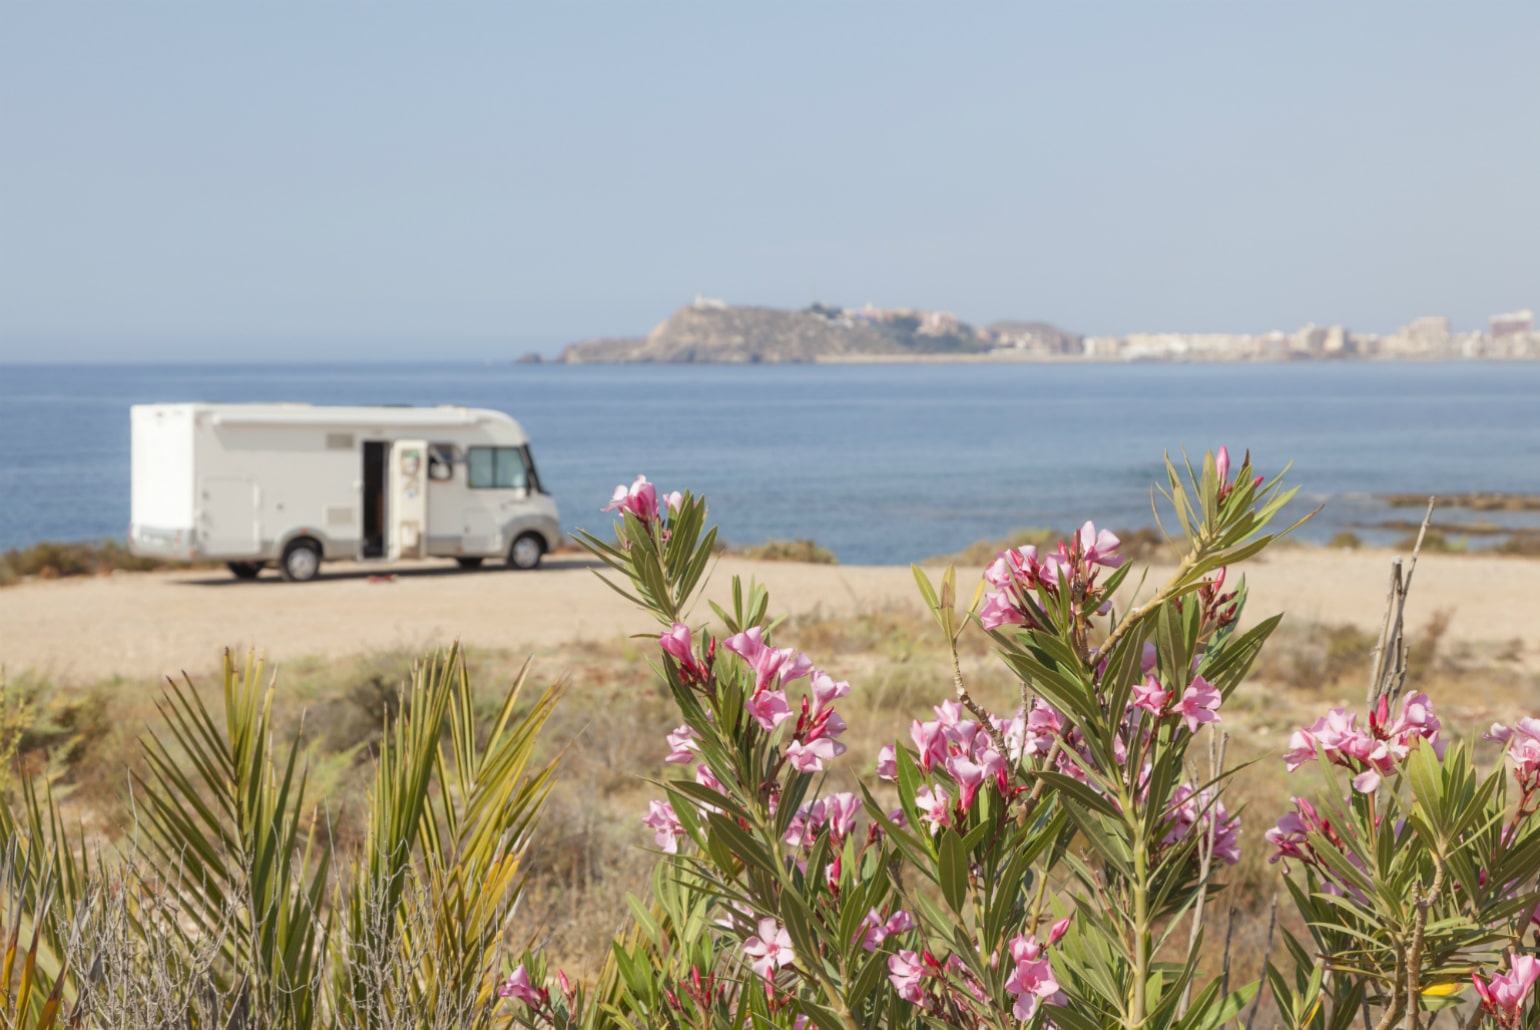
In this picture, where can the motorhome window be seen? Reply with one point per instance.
(496, 468)
(529, 468)
(441, 461)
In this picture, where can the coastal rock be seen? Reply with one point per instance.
(712, 332)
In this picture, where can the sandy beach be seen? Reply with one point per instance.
(78, 630)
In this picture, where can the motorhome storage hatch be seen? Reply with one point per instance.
(294, 485)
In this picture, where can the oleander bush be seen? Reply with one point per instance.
(1059, 864)
(1069, 861)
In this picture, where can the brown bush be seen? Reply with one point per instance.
(52, 559)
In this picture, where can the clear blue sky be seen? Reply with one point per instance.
(330, 180)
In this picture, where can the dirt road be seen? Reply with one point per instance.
(77, 630)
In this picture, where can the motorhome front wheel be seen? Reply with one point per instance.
(526, 551)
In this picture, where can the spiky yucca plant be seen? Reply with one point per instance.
(225, 907)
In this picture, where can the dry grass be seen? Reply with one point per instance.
(1143, 545)
(591, 849)
(808, 552)
(52, 559)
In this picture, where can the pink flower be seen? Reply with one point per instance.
(1505, 994)
(887, 763)
(676, 643)
(826, 690)
(1199, 704)
(641, 500)
(667, 829)
(1222, 464)
(998, 572)
(1330, 731)
(1031, 980)
(770, 948)
(809, 757)
(999, 610)
(1416, 722)
(968, 775)
(949, 713)
(1289, 835)
(804, 825)
(930, 741)
(768, 708)
(1523, 741)
(1148, 658)
(1374, 754)
(905, 972)
(841, 810)
(1025, 949)
(681, 745)
(935, 806)
(1151, 696)
(777, 666)
(518, 986)
(1100, 548)
(1044, 726)
(1057, 931)
(876, 931)
(1193, 810)
(706, 778)
(879, 930)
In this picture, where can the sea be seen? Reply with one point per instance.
(882, 464)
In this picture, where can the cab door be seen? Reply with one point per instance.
(408, 493)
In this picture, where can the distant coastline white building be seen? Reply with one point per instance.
(1513, 323)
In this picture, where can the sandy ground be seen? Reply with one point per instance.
(77, 630)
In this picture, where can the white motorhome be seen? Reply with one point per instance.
(295, 485)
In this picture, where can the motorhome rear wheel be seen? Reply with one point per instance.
(301, 561)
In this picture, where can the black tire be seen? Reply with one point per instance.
(244, 569)
(301, 561)
(469, 563)
(526, 552)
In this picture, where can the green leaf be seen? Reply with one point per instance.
(953, 866)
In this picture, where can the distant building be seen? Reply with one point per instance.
(709, 303)
(1513, 323)
(1310, 340)
(938, 323)
(1429, 330)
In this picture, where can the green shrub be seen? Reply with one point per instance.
(53, 559)
(806, 551)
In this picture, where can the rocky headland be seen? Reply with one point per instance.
(712, 331)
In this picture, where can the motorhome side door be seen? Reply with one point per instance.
(408, 518)
(228, 522)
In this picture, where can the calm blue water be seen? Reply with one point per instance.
(884, 464)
